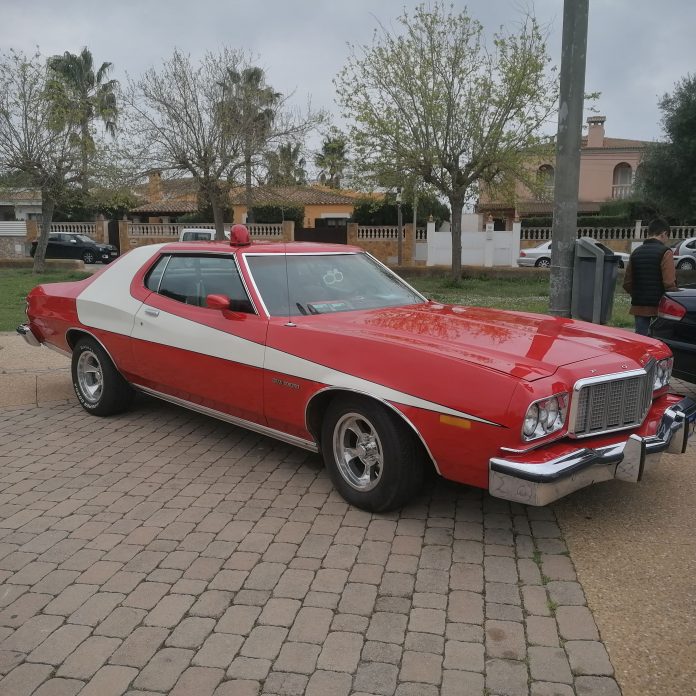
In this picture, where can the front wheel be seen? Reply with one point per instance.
(100, 388)
(89, 257)
(372, 457)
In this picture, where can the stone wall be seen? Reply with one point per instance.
(382, 242)
(12, 247)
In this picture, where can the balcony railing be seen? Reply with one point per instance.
(619, 191)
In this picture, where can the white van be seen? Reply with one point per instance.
(197, 234)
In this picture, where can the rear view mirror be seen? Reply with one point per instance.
(217, 302)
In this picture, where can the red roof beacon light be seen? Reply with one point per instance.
(239, 236)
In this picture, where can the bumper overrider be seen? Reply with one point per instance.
(540, 482)
(26, 333)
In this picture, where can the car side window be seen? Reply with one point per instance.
(153, 278)
(54, 238)
(190, 279)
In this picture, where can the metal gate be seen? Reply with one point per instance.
(330, 234)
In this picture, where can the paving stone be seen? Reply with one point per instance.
(535, 600)
(466, 607)
(566, 593)
(429, 580)
(238, 619)
(323, 683)
(23, 608)
(230, 580)
(464, 656)
(542, 631)
(59, 644)
(294, 584)
(212, 604)
(32, 633)
(376, 678)
(549, 689)
(576, 623)
(169, 610)
(279, 612)
(499, 569)
(397, 584)
(9, 659)
(588, 658)
(96, 608)
(120, 622)
(421, 667)
(365, 573)
(427, 621)
(163, 670)
(311, 625)
(350, 622)
(238, 687)
(387, 627)
(340, 652)
(110, 681)
(375, 651)
(218, 650)
(502, 593)
(70, 599)
(201, 681)
(285, 683)
(549, 664)
(191, 632)
(24, 679)
(592, 686)
(264, 642)
(59, 687)
(358, 599)
(90, 655)
(139, 646)
(248, 668)
(458, 683)
(507, 677)
(505, 639)
(297, 657)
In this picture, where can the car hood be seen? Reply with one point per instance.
(527, 346)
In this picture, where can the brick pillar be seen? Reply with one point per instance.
(101, 230)
(32, 231)
(352, 233)
(409, 250)
(288, 230)
(123, 238)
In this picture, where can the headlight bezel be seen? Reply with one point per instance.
(545, 425)
(663, 373)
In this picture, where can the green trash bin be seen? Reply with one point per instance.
(594, 281)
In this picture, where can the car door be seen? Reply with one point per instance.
(187, 350)
(58, 246)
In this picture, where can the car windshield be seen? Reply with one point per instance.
(296, 284)
(84, 238)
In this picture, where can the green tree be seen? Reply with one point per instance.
(36, 148)
(252, 106)
(286, 166)
(81, 95)
(434, 100)
(333, 158)
(667, 175)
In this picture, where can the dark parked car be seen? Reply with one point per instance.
(676, 326)
(77, 246)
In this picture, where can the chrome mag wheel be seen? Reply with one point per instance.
(358, 451)
(90, 377)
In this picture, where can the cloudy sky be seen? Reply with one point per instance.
(637, 49)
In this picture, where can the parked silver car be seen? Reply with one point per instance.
(540, 256)
(685, 254)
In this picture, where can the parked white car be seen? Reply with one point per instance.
(197, 234)
(685, 254)
(540, 256)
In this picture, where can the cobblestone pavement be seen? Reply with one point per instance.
(164, 552)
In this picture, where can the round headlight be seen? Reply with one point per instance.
(551, 413)
(531, 420)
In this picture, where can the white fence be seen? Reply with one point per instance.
(379, 232)
(172, 229)
(637, 232)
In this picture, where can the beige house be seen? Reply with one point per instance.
(607, 172)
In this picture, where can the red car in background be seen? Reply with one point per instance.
(323, 347)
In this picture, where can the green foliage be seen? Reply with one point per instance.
(435, 101)
(276, 213)
(286, 166)
(383, 211)
(78, 206)
(667, 175)
(333, 158)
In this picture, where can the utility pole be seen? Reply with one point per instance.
(568, 141)
(400, 226)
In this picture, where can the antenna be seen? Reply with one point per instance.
(287, 282)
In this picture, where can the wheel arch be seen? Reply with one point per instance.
(73, 335)
(319, 402)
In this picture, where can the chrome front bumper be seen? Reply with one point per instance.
(25, 332)
(542, 482)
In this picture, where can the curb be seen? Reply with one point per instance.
(30, 389)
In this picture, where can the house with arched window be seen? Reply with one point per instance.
(607, 172)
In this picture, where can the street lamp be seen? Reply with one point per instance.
(400, 226)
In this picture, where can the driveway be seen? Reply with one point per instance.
(164, 552)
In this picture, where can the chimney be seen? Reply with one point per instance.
(154, 186)
(595, 131)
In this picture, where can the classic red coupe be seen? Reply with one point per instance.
(323, 347)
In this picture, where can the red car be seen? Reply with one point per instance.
(323, 347)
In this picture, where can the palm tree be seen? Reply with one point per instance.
(251, 107)
(81, 96)
(333, 158)
(286, 167)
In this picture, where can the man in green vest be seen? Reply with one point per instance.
(650, 272)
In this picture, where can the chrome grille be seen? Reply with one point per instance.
(613, 402)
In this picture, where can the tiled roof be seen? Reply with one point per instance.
(618, 144)
(535, 207)
(292, 195)
(20, 195)
(167, 206)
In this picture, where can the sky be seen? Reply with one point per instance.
(637, 49)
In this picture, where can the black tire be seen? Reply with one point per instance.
(397, 476)
(686, 265)
(621, 263)
(543, 262)
(89, 256)
(100, 388)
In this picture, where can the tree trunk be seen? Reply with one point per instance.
(249, 193)
(457, 205)
(48, 205)
(218, 217)
(84, 179)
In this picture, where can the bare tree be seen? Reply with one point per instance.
(434, 100)
(188, 118)
(40, 149)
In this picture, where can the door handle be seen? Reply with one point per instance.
(152, 312)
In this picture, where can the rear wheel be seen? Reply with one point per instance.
(371, 455)
(686, 265)
(100, 388)
(543, 262)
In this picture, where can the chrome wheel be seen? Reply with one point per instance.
(90, 377)
(358, 451)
